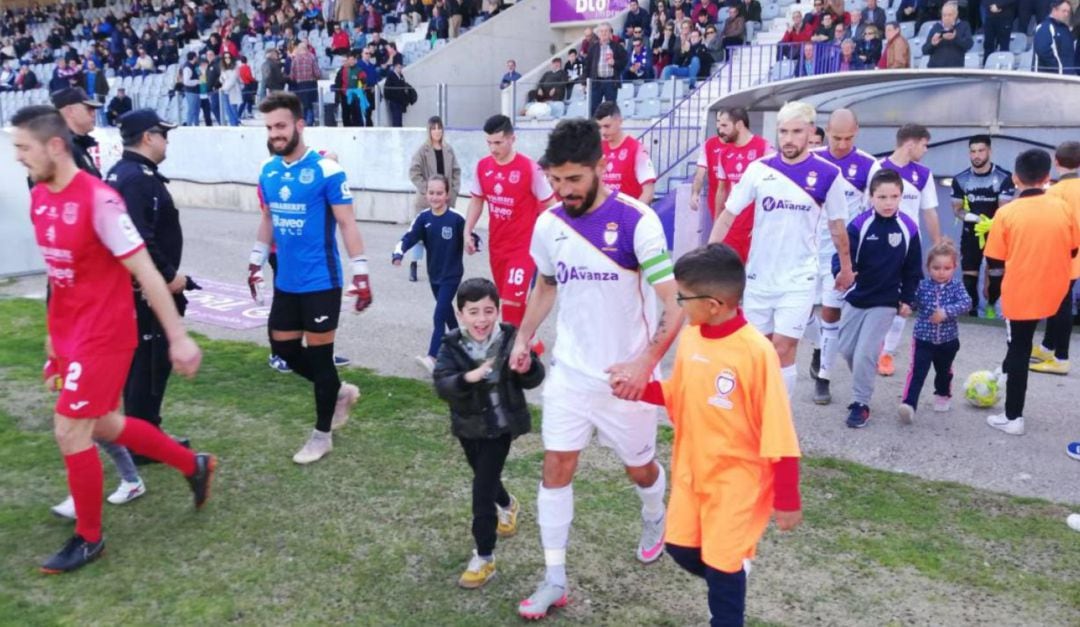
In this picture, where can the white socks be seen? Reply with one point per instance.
(790, 374)
(652, 497)
(892, 338)
(812, 333)
(554, 513)
(830, 333)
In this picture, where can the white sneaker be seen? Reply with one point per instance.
(317, 447)
(942, 404)
(426, 362)
(347, 396)
(906, 414)
(651, 546)
(1001, 423)
(66, 508)
(1073, 521)
(127, 492)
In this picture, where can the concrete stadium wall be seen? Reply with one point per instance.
(472, 65)
(218, 167)
(19, 254)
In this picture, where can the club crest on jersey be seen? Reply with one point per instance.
(448, 232)
(914, 177)
(751, 155)
(71, 213)
(611, 235)
(895, 239)
(285, 193)
(811, 179)
(498, 189)
(852, 170)
(307, 176)
(725, 385)
(515, 177)
(622, 155)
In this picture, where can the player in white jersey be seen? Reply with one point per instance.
(854, 167)
(603, 257)
(792, 193)
(920, 198)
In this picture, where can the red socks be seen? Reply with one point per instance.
(86, 481)
(147, 440)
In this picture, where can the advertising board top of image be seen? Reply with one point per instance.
(563, 11)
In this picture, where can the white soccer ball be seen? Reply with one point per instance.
(982, 388)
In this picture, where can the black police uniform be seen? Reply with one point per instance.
(152, 210)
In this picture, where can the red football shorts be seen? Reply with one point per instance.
(513, 274)
(92, 384)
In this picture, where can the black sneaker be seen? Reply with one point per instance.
(205, 465)
(412, 271)
(822, 395)
(75, 554)
(815, 364)
(858, 415)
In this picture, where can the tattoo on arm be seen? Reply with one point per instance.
(661, 328)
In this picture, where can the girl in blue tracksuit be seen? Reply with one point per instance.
(939, 301)
(442, 232)
(887, 260)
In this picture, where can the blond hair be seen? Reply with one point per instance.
(944, 248)
(796, 110)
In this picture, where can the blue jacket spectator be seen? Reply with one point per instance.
(931, 295)
(948, 40)
(1055, 50)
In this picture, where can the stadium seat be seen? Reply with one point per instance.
(923, 63)
(1025, 61)
(916, 47)
(1018, 43)
(890, 15)
(557, 108)
(626, 92)
(672, 90)
(751, 30)
(1000, 61)
(627, 107)
(973, 60)
(907, 29)
(783, 70)
(648, 90)
(647, 109)
(577, 109)
(924, 30)
(786, 3)
(770, 11)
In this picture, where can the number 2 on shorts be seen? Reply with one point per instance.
(71, 381)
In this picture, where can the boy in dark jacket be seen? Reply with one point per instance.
(887, 259)
(487, 411)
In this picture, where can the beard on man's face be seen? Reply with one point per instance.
(585, 203)
(289, 145)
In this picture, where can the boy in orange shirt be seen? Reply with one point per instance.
(735, 456)
(1036, 236)
(1052, 356)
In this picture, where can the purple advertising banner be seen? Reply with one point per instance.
(585, 10)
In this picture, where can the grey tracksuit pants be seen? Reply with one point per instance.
(861, 334)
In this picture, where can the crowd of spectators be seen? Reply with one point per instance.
(147, 37)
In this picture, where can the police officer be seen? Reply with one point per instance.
(152, 210)
(79, 112)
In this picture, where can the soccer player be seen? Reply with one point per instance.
(791, 194)
(817, 140)
(709, 170)
(1052, 357)
(308, 196)
(604, 258)
(740, 148)
(854, 165)
(980, 190)
(735, 459)
(92, 250)
(516, 191)
(629, 169)
(1036, 236)
(920, 197)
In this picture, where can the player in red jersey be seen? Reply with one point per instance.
(92, 250)
(724, 159)
(516, 191)
(628, 168)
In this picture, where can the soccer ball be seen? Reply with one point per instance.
(982, 388)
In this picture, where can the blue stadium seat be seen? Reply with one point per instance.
(627, 107)
(577, 109)
(907, 29)
(647, 109)
(648, 90)
(1018, 43)
(626, 92)
(924, 30)
(973, 60)
(1000, 61)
